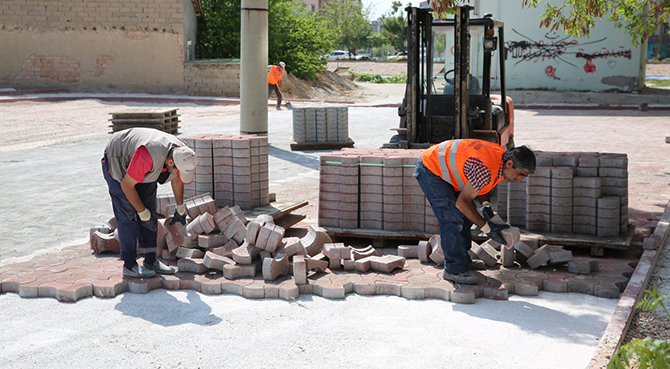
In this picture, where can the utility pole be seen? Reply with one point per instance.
(254, 68)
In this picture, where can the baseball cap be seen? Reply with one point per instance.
(185, 161)
(283, 65)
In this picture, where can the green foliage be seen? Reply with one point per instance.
(349, 20)
(377, 78)
(658, 83)
(647, 353)
(296, 36)
(393, 25)
(640, 18)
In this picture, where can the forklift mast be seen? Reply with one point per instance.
(445, 98)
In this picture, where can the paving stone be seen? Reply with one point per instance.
(363, 253)
(583, 266)
(523, 249)
(275, 267)
(437, 256)
(336, 251)
(424, 251)
(105, 242)
(317, 264)
(191, 265)
(214, 261)
(245, 253)
(486, 253)
(212, 240)
(225, 250)
(292, 246)
(540, 256)
(387, 263)
(314, 240)
(507, 256)
(236, 271)
(335, 264)
(409, 251)
(183, 252)
(299, 269)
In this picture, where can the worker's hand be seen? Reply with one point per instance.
(487, 211)
(149, 219)
(179, 215)
(493, 230)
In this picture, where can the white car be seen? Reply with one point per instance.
(363, 57)
(338, 55)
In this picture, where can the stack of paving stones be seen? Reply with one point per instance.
(234, 168)
(322, 123)
(584, 193)
(373, 189)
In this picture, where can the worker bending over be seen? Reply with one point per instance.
(136, 160)
(452, 174)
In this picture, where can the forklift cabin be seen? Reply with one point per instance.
(448, 92)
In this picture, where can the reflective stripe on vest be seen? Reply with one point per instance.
(452, 163)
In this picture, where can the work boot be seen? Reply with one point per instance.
(279, 108)
(159, 267)
(477, 265)
(462, 278)
(138, 272)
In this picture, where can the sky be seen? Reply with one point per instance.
(380, 7)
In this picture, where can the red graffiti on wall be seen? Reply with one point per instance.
(589, 67)
(550, 71)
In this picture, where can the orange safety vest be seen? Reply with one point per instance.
(274, 76)
(450, 156)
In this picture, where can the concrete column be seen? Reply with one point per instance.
(254, 68)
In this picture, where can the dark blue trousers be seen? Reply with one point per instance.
(128, 223)
(455, 236)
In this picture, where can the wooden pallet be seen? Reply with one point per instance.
(166, 120)
(597, 244)
(320, 145)
(378, 236)
(280, 211)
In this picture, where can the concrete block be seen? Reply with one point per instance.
(583, 266)
(314, 240)
(540, 256)
(299, 269)
(235, 271)
(245, 253)
(212, 240)
(486, 253)
(408, 251)
(387, 263)
(424, 250)
(191, 265)
(183, 252)
(214, 261)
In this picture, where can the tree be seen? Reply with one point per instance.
(296, 36)
(394, 24)
(640, 18)
(349, 20)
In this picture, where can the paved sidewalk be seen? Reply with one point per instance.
(57, 193)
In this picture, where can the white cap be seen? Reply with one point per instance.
(185, 161)
(283, 65)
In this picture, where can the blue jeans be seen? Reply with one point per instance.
(127, 220)
(455, 236)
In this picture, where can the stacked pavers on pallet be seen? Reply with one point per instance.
(321, 123)
(163, 120)
(233, 168)
(373, 189)
(584, 193)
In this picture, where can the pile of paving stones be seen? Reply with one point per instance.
(225, 240)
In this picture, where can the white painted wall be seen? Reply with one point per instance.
(539, 59)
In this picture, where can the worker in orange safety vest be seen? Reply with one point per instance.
(454, 173)
(275, 74)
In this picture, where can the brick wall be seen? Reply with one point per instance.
(158, 15)
(212, 78)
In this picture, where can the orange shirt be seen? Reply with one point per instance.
(447, 160)
(275, 75)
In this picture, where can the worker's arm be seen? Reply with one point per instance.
(180, 212)
(464, 204)
(178, 190)
(128, 187)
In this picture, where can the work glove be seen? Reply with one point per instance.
(179, 215)
(493, 231)
(149, 219)
(487, 211)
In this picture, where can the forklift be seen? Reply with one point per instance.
(448, 93)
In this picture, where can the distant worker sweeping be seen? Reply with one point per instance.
(136, 160)
(275, 75)
(452, 174)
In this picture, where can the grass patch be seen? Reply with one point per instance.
(658, 82)
(377, 78)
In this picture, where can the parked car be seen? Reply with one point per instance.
(338, 55)
(363, 57)
(399, 56)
